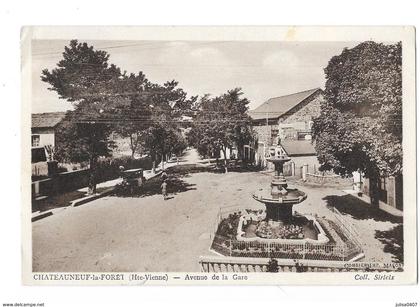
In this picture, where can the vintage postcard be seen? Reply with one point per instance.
(218, 155)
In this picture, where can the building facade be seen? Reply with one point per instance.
(43, 133)
(287, 118)
(390, 193)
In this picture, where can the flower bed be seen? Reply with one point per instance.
(227, 227)
(273, 231)
(228, 240)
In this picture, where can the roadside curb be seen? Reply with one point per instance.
(74, 203)
(85, 200)
(41, 216)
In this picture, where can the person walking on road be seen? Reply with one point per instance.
(164, 176)
(164, 191)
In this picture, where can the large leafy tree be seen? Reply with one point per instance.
(221, 123)
(360, 126)
(132, 111)
(167, 103)
(85, 77)
(163, 139)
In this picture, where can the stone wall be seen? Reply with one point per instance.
(295, 120)
(264, 133)
(62, 183)
(310, 110)
(329, 180)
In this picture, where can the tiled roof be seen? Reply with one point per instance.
(47, 120)
(277, 106)
(298, 148)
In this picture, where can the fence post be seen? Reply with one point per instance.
(304, 171)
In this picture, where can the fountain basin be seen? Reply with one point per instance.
(293, 196)
(279, 206)
(303, 229)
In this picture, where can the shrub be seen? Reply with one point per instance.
(62, 169)
(109, 168)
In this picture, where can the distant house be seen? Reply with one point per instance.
(43, 132)
(302, 153)
(287, 118)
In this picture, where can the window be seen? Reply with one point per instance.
(383, 183)
(35, 140)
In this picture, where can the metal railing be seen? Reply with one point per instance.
(338, 251)
(347, 227)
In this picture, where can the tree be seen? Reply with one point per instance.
(360, 125)
(168, 104)
(222, 123)
(84, 76)
(163, 140)
(133, 117)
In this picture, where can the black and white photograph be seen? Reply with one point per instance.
(171, 160)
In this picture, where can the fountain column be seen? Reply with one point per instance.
(280, 200)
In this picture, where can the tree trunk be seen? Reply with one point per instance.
(92, 175)
(225, 160)
(132, 147)
(240, 152)
(163, 158)
(374, 190)
(154, 162)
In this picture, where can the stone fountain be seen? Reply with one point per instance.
(279, 200)
(278, 231)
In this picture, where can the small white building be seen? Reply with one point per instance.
(43, 132)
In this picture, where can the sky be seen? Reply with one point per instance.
(262, 69)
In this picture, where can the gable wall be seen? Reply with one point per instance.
(304, 113)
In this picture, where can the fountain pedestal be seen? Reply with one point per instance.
(279, 202)
(278, 212)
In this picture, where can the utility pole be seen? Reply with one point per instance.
(267, 127)
(267, 136)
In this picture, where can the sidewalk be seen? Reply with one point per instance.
(105, 189)
(366, 199)
(148, 174)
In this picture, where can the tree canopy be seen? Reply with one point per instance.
(221, 122)
(360, 125)
(84, 77)
(107, 100)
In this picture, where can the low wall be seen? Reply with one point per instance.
(61, 183)
(107, 169)
(70, 181)
(328, 179)
(215, 264)
(39, 169)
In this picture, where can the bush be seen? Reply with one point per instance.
(109, 168)
(62, 169)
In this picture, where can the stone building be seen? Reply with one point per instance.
(283, 118)
(287, 120)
